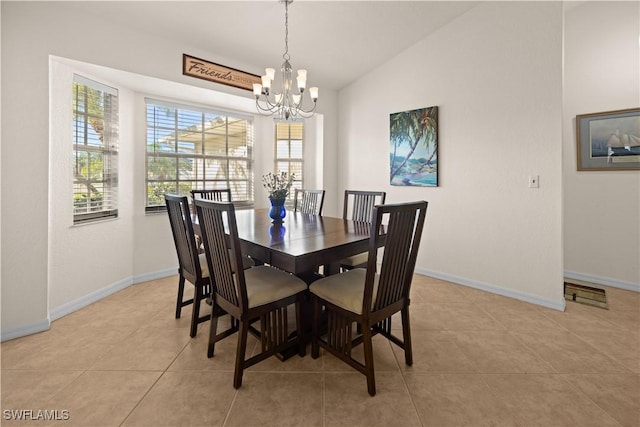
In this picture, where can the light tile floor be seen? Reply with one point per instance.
(479, 360)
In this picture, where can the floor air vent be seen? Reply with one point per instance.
(584, 294)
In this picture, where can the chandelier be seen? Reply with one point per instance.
(286, 104)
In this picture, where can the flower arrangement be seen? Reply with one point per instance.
(278, 185)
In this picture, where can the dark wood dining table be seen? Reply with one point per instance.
(302, 242)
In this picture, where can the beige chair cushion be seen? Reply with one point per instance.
(204, 267)
(356, 259)
(246, 263)
(266, 284)
(346, 290)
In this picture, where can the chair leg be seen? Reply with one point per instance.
(301, 326)
(368, 360)
(197, 297)
(180, 296)
(406, 337)
(315, 347)
(213, 330)
(240, 353)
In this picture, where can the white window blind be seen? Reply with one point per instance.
(190, 147)
(95, 151)
(289, 152)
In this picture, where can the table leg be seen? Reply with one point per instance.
(333, 268)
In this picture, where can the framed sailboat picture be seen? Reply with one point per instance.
(609, 140)
(414, 147)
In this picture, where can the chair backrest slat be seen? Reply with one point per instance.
(219, 195)
(403, 232)
(220, 237)
(362, 203)
(308, 201)
(183, 236)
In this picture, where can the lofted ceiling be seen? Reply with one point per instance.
(337, 41)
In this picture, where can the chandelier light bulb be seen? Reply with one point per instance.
(313, 92)
(271, 73)
(302, 82)
(266, 82)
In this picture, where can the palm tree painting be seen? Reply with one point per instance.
(414, 147)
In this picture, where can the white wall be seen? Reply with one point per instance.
(40, 252)
(0, 176)
(495, 74)
(24, 222)
(77, 253)
(602, 208)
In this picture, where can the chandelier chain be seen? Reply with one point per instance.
(286, 31)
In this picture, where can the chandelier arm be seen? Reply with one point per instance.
(263, 110)
(309, 112)
(264, 104)
(300, 112)
(270, 105)
(267, 107)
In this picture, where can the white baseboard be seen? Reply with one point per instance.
(553, 304)
(81, 302)
(22, 330)
(604, 281)
(77, 304)
(155, 275)
(84, 301)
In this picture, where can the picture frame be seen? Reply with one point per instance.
(608, 140)
(413, 145)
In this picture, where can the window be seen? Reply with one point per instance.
(194, 148)
(289, 149)
(95, 151)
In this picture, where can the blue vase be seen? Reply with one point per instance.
(277, 211)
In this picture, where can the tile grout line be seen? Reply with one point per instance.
(533, 351)
(233, 401)
(143, 396)
(574, 334)
(561, 328)
(605, 351)
(486, 383)
(163, 372)
(562, 375)
(580, 392)
(512, 334)
(404, 380)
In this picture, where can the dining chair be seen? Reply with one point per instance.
(258, 294)
(368, 298)
(308, 201)
(219, 195)
(358, 206)
(192, 265)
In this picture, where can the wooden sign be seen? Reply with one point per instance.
(201, 69)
